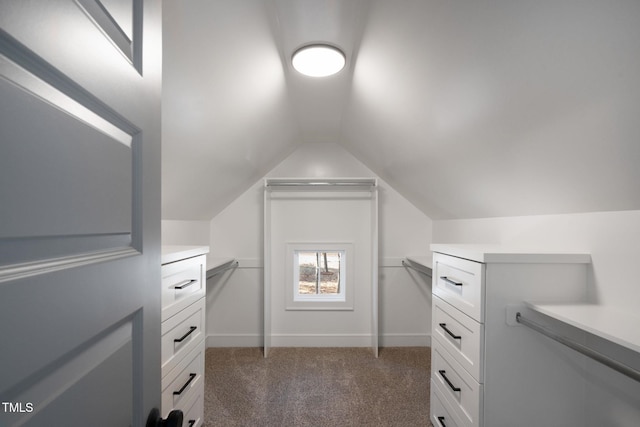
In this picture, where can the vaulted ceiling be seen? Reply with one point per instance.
(467, 108)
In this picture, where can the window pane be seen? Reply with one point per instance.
(330, 273)
(319, 276)
(308, 262)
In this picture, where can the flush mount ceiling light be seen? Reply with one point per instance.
(318, 60)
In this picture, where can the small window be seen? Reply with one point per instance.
(319, 276)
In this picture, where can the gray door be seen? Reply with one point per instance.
(79, 212)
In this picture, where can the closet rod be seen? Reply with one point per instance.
(580, 348)
(413, 267)
(321, 184)
(216, 271)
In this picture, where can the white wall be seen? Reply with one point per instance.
(313, 218)
(613, 240)
(176, 232)
(234, 300)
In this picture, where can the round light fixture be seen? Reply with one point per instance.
(318, 60)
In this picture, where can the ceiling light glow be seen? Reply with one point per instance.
(318, 60)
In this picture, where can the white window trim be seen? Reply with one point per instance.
(342, 301)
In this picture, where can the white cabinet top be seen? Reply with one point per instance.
(172, 253)
(507, 254)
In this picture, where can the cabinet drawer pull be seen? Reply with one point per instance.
(454, 336)
(444, 377)
(185, 284)
(191, 377)
(441, 422)
(451, 282)
(184, 337)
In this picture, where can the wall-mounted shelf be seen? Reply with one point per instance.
(609, 323)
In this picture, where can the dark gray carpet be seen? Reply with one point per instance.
(317, 387)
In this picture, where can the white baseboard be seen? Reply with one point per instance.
(405, 340)
(320, 340)
(234, 340)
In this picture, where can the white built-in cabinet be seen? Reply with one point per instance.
(486, 371)
(183, 331)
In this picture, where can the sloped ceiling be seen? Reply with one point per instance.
(468, 108)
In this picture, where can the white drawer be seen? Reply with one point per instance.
(462, 336)
(181, 334)
(183, 282)
(457, 386)
(193, 409)
(184, 381)
(442, 415)
(460, 282)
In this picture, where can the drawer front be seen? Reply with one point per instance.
(183, 282)
(461, 391)
(181, 334)
(193, 409)
(184, 381)
(460, 282)
(442, 415)
(462, 337)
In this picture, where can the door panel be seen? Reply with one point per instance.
(79, 212)
(71, 383)
(92, 193)
(68, 174)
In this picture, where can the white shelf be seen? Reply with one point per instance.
(612, 324)
(510, 254)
